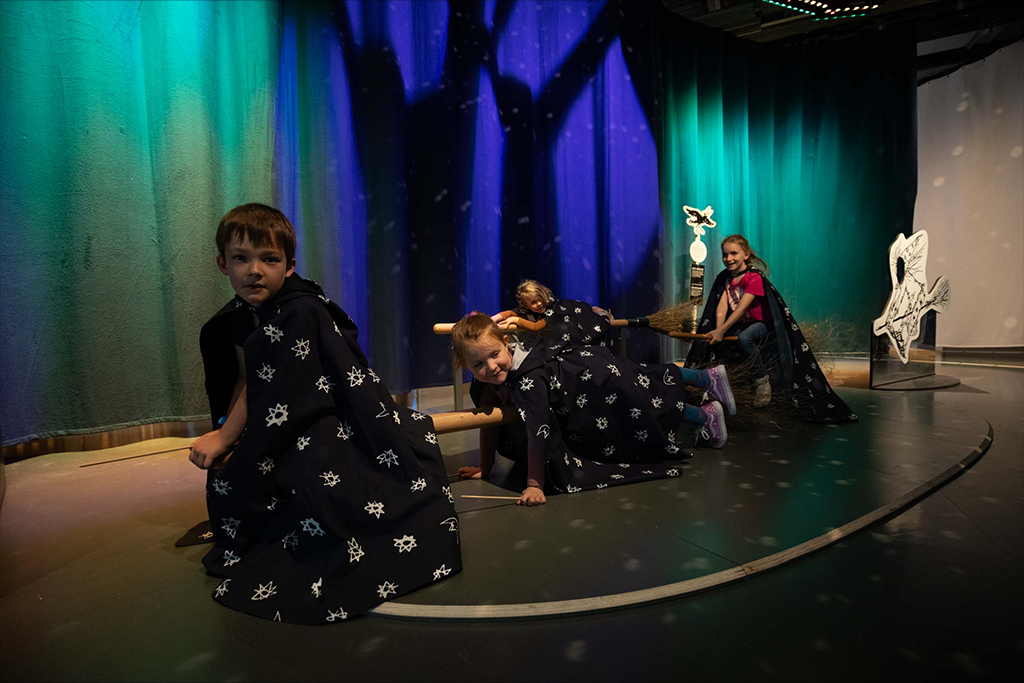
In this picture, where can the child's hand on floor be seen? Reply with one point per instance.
(471, 473)
(532, 496)
(206, 449)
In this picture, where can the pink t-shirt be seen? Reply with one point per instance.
(749, 283)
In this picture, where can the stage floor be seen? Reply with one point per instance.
(92, 587)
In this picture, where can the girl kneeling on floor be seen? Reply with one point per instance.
(592, 419)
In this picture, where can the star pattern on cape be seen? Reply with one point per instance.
(266, 373)
(431, 438)
(324, 384)
(419, 485)
(355, 377)
(290, 540)
(447, 491)
(302, 443)
(656, 401)
(301, 348)
(373, 375)
(278, 415)
(317, 585)
(641, 435)
(602, 423)
(388, 458)
(615, 369)
(330, 479)
(609, 450)
(525, 384)
(274, 333)
(581, 400)
(312, 527)
(344, 431)
(405, 544)
(610, 398)
(221, 486)
(441, 571)
(230, 526)
(586, 375)
(264, 592)
(418, 416)
(635, 413)
(265, 465)
(340, 614)
(230, 558)
(387, 588)
(355, 552)
(374, 508)
(222, 588)
(645, 382)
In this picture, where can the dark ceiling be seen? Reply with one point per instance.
(950, 33)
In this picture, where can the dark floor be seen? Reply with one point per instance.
(92, 588)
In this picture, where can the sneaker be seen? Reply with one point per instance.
(762, 392)
(720, 388)
(714, 429)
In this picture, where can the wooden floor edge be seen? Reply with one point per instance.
(674, 590)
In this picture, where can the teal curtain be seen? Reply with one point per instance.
(810, 153)
(430, 154)
(128, 129)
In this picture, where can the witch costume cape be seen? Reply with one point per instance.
(792, 367)
(335, 498)
(594, 420)
(571, 324)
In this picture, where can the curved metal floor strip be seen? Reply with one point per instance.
(673, 590)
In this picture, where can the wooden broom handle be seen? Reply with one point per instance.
(446, 423)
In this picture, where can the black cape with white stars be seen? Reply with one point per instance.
(792, 367)
(594, 420)
(335, 498)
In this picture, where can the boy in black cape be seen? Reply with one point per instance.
(334, 498)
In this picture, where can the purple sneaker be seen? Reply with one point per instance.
(714, 429)
(720, 389)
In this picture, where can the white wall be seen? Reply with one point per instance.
(970, 197)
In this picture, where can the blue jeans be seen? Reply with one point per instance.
(749, 335)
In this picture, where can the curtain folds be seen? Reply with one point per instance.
(431, 155)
